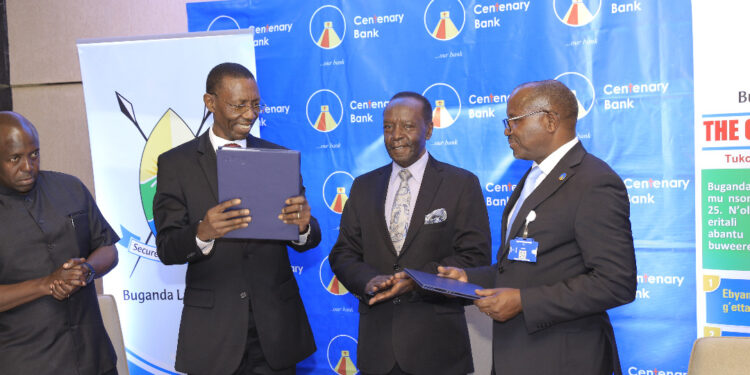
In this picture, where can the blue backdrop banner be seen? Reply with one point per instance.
(326, 70)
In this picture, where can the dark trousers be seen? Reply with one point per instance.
(396, 370)
(254, 362)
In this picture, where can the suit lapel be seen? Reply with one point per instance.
(381, 190)
(427, 190)
(207, 161)
(563, 171)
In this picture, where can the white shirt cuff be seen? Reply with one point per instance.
(303, 236)
(205, 246)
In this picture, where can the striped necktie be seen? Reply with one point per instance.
(400, 214)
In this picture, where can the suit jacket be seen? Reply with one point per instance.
(425, 333)
(237, 277)
(585, 265)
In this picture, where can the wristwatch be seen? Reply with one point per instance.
(92, 273)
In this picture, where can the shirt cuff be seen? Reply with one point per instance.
(207, 246)
(303, 237)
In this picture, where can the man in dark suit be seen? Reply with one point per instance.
(413, 213)
(242, 310)
(550, 305)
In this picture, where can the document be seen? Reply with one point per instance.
(443, 285)
(263, 179)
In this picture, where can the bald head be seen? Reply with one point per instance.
(558, 98)
(19, 152)
(10, 119)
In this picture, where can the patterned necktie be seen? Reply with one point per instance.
(528, 187)
(400, 214)
(232, 145)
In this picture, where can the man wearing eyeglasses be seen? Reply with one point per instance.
(567, 249)
(242, 310)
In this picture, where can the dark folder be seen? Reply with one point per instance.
(263, 179)
(443, 285)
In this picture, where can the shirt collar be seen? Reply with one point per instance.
(549, 163)
(416, 169)
(217, 141)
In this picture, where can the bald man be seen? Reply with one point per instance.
(567, 249)
(55, 242)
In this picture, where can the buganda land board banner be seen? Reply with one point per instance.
(143, 97)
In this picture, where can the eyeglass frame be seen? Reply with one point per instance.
(506, 121)
(241, 109)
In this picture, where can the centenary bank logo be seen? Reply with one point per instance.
(583, 90)
(223, 22)
(324, 106)
(336, 190)
(325, 24)
(576, 13)
(439, 16)
(329, 280)
(633, 370)
(169, 132)
(446, 104)
(341, 353)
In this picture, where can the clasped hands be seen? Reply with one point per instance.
(384, 287)
(67, 279)
(219, 220)
(500, 304)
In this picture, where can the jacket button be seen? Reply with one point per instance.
(396, 267)
(397, 300)
(243, 295)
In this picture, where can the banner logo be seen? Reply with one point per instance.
(329, 280)
(327, 27)
(224, 22)
(582, 88)
(342, 351)
(324, 106)
(169, 132)
(446, 104)
(576, 13)
(336, 190)
(441, 18)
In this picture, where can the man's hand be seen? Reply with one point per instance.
(67, 279)
(218, 221)
(296, 211)
(500, 304)
(379, 283)
(452, 273)
(399, 283)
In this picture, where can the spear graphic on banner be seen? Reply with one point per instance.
(169, 131)
(129, 112)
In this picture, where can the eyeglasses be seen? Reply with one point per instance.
(507, 121)
(239, 109)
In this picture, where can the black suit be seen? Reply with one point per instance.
(425, 333)
(585, 265)
(235, 278)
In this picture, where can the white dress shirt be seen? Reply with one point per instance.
(547, 165)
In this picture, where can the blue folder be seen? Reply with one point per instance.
(442, 285)
(263, 179)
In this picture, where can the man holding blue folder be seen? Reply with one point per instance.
(243, 313)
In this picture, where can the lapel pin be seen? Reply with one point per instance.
(562, 176)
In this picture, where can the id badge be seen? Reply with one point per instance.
(523, 250)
